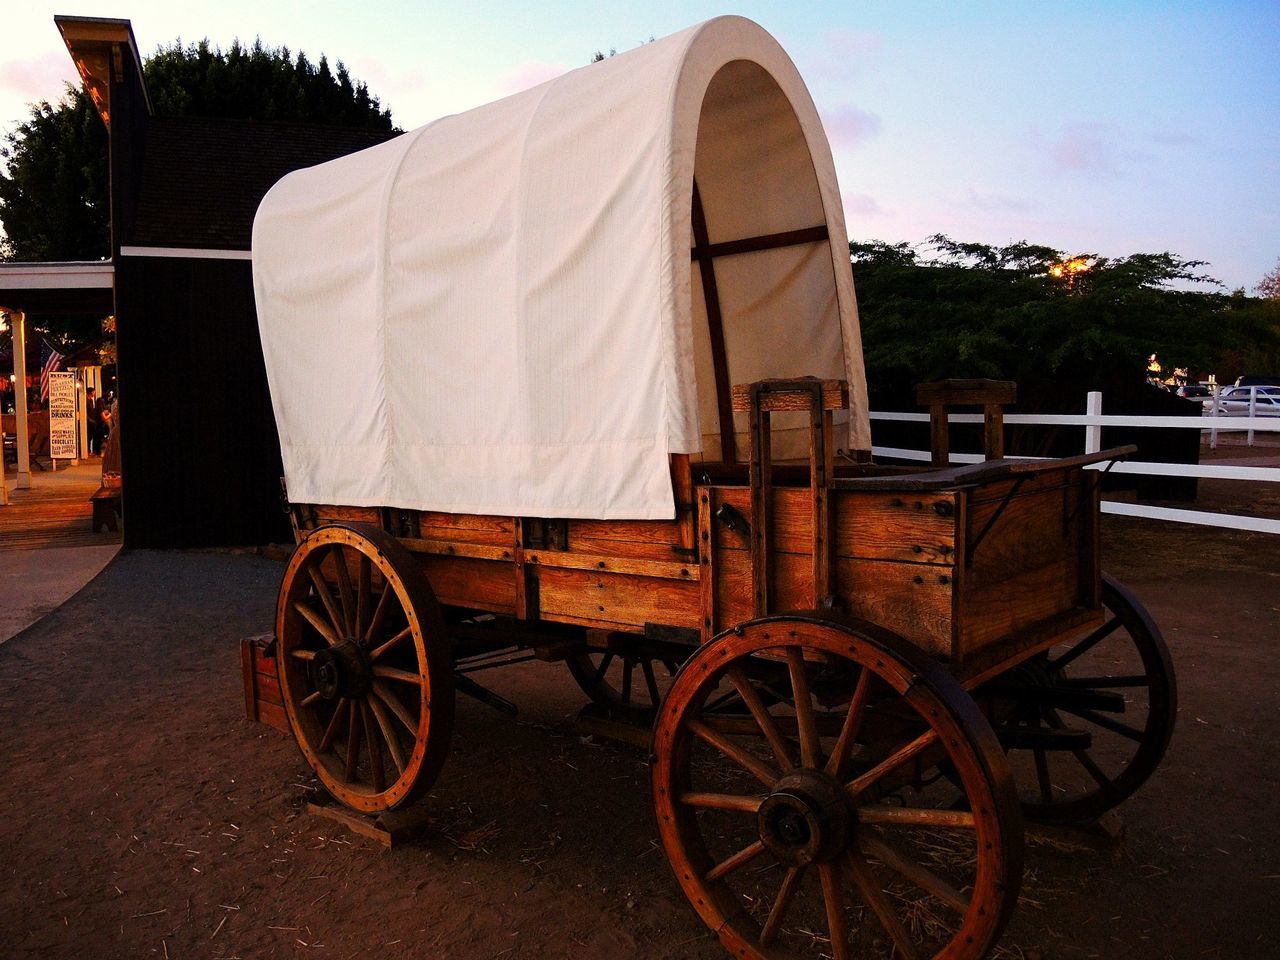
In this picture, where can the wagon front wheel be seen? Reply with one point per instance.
(815, 822)
(365, 668)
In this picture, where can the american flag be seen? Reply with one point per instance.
(50, 361)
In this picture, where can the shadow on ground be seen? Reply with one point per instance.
(141, 815)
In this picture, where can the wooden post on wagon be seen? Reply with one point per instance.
(992, 395)
(759, 400)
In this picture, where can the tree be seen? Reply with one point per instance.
(53, 203)
(1029, 313)
(53, 197)
(1269, 288)
(258, 83)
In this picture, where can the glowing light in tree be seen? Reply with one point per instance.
(1070, 269)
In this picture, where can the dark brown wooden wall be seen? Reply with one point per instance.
(201, 457)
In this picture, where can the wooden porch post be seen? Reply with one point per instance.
(18, 323)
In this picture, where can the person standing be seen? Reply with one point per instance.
(93, 412)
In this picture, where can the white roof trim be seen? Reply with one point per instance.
(186, 253)
(93, 274)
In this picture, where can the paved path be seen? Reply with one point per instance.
(48, 550)
(142, 816)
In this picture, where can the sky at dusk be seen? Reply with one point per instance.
(1108, 128)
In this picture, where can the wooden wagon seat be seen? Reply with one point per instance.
(973, 474)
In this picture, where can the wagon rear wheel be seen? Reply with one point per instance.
(1087, 722)
(629, 677)
(813, 823)
(365, 668)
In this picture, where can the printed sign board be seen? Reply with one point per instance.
(62, 416)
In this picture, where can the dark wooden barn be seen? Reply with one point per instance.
(200, 455)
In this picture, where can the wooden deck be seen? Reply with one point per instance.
(55, 512)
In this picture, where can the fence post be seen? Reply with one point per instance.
(1253, 410)
(1093, 432)
(1213, 412)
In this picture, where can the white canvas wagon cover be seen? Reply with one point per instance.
(504, 311)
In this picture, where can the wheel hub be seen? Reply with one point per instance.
(808, 818)
(341, 671)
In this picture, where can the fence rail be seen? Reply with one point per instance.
(1093, 420)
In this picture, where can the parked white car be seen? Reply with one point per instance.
(1234, 402)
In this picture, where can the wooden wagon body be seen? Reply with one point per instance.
(972, 564)
(653, 464)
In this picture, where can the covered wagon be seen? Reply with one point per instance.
(577, 375)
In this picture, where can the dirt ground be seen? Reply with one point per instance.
(141, 815)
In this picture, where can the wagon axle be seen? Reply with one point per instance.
(808, 818)
(342, 671)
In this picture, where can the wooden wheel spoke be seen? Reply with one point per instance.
(628, 667)
(874, 897)
(603, 668)
(1086, 761)
(364, 595)
(786, 894)
(764, 719)
(810, 751)
(379, 651)
(311, 698)
(345, 594)
(722, 801)
(335, 724)
(375, 750)
(379, 614)
(353, 743)
(388, 732)
(393, 703)
(392, 673)
(1107, 723)
(890, 763)
(298, 653)
(921, 876)
(724, 700)
(833, 898)
(852, 722)
(326, 598)
(753, 765)
(886, 815)
(322, 626)
(730, 864)
(650, 681)
(1042, 776)
(1087, 644)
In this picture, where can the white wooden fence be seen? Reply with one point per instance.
(1093, 421)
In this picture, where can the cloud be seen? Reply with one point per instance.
(850, 126)
(861, 204)
(38, 79)
(530, 74)
(998, 202)
(1084, 148)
